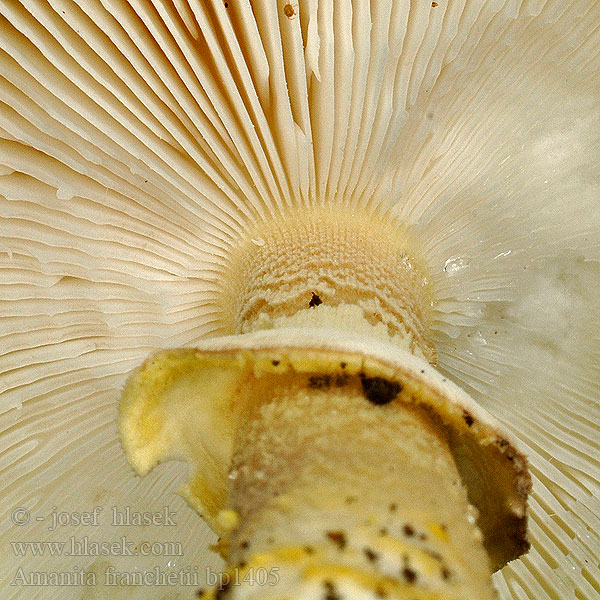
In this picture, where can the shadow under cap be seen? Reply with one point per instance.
(173, 386)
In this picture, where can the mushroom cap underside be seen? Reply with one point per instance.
(184, 404)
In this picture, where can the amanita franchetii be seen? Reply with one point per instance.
(339, 209)
(322, 446)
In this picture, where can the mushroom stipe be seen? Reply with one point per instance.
(251, 369)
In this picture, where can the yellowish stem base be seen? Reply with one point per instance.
(341, 498)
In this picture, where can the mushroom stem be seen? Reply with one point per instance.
(307, 512)
(329, 268)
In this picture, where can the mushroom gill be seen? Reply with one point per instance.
(151, 156)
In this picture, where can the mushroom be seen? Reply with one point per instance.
(342, 444)
(406, 189)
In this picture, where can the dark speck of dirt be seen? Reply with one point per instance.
(319, 382)
(338, 538)
(409, 575)
(330, 591)
(468, 418)
(314, 301)
(379, 390)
